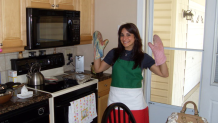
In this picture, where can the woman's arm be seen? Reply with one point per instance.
(100, 65)
(161, 70)
(99, 46)
(160, 66)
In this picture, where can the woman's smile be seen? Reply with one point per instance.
(127, 39)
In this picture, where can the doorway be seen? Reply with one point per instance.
(183, 42)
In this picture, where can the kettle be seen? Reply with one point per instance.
(34, 76)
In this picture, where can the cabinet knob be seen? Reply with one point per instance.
(105, 85)
(52, 5)
(57, 5)
(1, 44)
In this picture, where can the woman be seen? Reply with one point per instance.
(128, 61)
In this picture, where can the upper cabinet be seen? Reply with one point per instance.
(51, 4)
(86, 8)
(12, 25)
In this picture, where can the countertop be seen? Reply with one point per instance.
(16, 103)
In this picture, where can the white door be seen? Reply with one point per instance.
(159, 111)
(209, 85)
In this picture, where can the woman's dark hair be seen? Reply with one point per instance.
(137, 55)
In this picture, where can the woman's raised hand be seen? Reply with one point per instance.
(158, 50)
(99, 44)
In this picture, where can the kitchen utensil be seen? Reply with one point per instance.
(35, 77)
(51, 78)
(80, 78)
(12, 84)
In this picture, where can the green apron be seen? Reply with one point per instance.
(123, 76)
(126, 87)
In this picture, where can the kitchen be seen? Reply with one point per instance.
(128, 13)
(14, 39)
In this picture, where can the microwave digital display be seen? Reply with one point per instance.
(52, 28)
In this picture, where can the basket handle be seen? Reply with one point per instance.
(195, 107)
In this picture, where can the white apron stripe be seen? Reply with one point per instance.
(132, 97)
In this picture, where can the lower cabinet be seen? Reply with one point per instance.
(103, 93)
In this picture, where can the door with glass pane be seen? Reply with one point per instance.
(183, 42)
(209, 85)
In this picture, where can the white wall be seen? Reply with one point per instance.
(109, 14)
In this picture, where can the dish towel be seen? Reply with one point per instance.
(82, 110)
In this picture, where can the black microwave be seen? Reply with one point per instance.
(48, 28)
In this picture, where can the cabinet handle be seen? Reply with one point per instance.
(98, 96)
(105, 85)
(57, 5)
(1, 44)
(52, 5)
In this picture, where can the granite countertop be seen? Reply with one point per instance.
(100, 77)
(16, 103)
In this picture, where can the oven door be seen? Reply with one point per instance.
(62, 103)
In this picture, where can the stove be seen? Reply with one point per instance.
(63, 90)
(58, 85)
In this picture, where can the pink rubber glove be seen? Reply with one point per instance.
(158, 50)
(99, 44)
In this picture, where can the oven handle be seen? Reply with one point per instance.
(68, 103)
(64, 105)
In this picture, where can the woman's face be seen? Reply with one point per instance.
(127, 39)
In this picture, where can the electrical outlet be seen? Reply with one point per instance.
(70, 55)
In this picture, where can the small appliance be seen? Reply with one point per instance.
(79, 64)
(47, 28)
(35, 77)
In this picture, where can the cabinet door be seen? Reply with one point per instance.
(64, 4)
(49, 4)
(12, 25)
(102, 105)
(86, 8)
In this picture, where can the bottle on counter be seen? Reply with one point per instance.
(93, 70)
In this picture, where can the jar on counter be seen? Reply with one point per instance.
(93, 70)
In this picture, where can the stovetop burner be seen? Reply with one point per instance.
(53, 86)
